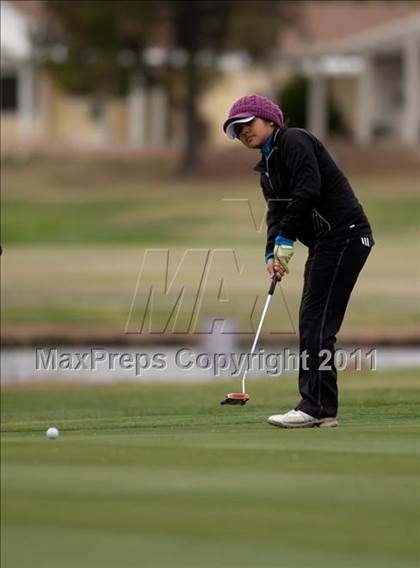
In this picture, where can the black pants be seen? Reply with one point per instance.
(331, 272)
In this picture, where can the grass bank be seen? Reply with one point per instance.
(75, 236)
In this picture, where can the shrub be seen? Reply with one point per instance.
(293, 100)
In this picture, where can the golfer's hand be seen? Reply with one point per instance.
(274, 268)
(283, 252)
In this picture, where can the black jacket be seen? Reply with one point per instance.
(308, 196)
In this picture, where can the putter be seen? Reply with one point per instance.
(241, 397)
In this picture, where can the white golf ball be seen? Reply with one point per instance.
(52, 433)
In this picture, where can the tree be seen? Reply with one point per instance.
(103, 43)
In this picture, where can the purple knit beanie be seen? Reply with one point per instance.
(250, 106)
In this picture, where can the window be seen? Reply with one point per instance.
(8, 93)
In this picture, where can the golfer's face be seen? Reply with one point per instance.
(255, 133)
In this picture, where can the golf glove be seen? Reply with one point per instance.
(283, 252)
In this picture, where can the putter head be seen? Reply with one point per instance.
(236, 398)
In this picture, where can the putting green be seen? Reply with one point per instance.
(159, 475)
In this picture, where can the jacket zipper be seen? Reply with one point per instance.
(319, 221)
(267, 172)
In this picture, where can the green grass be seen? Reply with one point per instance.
(75, 234)
(166, 212)
(154, 475)
(99, 202)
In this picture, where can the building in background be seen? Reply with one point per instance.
(19, 112)
(366, 54)
(36, 113)
(369, 56)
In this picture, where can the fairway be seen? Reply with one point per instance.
(158, 475)
(75, 235)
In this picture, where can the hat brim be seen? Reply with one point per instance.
(229, 126)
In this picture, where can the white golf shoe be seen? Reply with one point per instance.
(299, 419)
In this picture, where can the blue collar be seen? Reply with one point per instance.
(266, 149)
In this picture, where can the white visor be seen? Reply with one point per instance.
(230, 130)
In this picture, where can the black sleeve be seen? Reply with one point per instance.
(305, 181)
(275, 212)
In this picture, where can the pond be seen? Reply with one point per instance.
(189, 363)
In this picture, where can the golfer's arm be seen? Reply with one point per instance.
(305, 181)
(276, 209)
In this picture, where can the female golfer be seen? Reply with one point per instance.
(309, 199)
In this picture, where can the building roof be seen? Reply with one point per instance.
(340, 26)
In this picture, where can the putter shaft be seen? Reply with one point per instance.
(257, 335)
